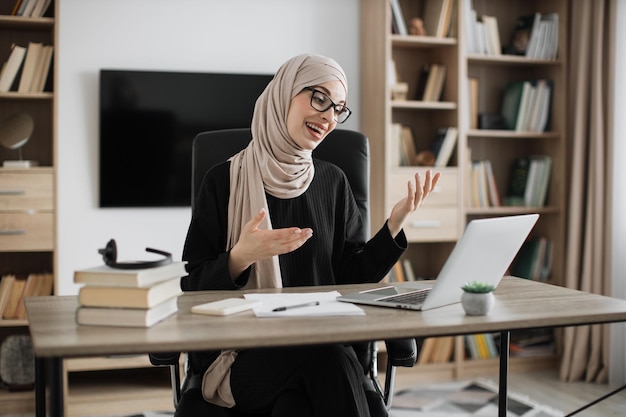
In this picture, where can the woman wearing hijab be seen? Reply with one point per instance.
(272, 217)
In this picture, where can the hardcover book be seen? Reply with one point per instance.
(104, 275)
(139, 297)
(126, 317)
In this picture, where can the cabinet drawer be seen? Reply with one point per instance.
(444, 194)
(429, 225)
(26, 232)
(26, 191)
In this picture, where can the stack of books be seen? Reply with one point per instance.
(128, 298)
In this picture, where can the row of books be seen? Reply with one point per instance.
(534, 35)
(438, 155)
(534, 259)
(481, 346)
(484, 191)
(436, 18)
(529, 181)
(128, 298)
(526, 105)
(486, 35)
(431, 82)
(30, 8)
(436, 350)
(538, 35)
(14, 289)
(27, 68)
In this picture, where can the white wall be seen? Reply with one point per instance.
(181, 35)
(617, 374)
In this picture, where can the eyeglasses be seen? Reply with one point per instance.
(321, 102)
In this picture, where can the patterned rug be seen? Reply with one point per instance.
(477, 398)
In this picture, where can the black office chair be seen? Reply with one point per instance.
(350, 151)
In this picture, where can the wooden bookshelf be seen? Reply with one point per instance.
(434, 228)
(27, 228)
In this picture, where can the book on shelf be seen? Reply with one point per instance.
(444, 154)
(511, 102)
(409, 273)
(6, 286)
(15, 296)
(537, 182)
(11, 67)
(473, 102)
(397, 18)
(543, 41)
(33, 54)
(479, 189)
(517, 182)
(126, 317)
(36, 285)
(492, 188)
(469, 17)
(422, 79)
(444, 347)
(434, 83)
(107, 276)
(526, 105)
(426, 350)
(534, 260)
(397, 273)
(493, 45)
(42, 70)
(437, 16)
(397, 155)
(408, 148)
(138, 297)
(41, 6)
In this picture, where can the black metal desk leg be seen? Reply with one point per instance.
(40, 387)
(505, 337)
(55, 384)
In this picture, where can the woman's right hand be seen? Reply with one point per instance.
(255, 244)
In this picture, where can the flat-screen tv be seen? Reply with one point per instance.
(148, 120)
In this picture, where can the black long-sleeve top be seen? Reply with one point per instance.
(335, 254)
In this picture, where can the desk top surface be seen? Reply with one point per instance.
(520, 304)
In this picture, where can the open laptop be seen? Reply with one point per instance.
(483, 253)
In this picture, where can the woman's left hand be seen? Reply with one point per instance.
(416, 195)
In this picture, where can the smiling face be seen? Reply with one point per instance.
(307, 126)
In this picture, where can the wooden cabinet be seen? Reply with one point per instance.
(388, 58)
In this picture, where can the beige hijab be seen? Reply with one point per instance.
(271, 163)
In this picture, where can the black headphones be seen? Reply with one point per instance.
(109, 254)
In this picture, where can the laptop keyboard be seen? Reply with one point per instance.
(414, 298)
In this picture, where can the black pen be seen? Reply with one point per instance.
(283, 308)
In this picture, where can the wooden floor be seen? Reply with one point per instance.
(544, 387)
(541, 386)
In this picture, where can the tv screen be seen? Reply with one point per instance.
(148, 120)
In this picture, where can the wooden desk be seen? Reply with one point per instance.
(520, 304)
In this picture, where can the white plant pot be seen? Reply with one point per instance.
(477, 304)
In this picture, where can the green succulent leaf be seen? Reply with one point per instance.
(478, 287)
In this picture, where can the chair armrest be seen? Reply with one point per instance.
(164, 358)
(402, 352)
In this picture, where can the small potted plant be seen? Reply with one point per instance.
(477, 298)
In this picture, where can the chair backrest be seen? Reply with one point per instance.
(347, 149)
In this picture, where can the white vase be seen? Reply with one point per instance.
(477, 304)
